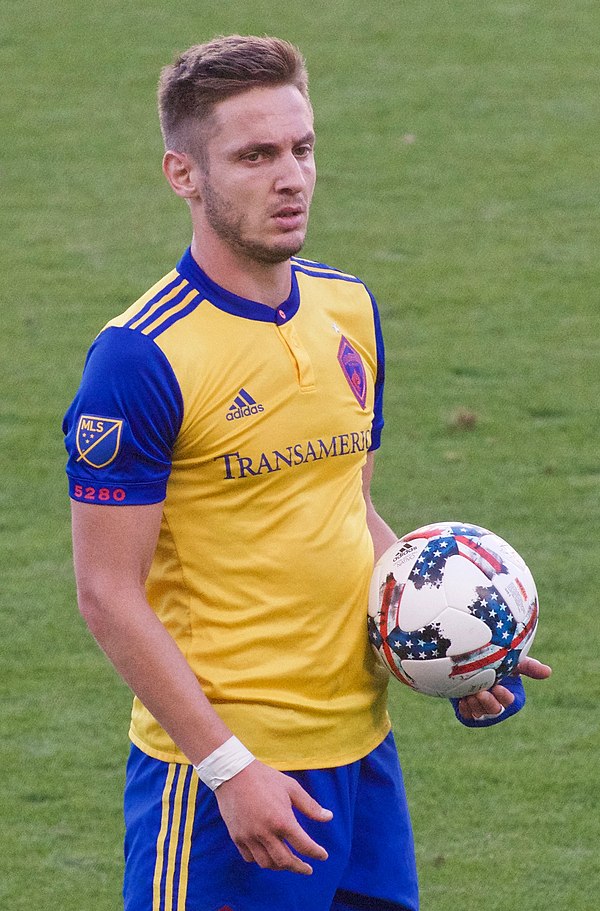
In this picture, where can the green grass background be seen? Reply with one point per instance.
(459, 173)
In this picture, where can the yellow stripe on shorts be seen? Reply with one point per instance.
(174, 838)
(187, 841)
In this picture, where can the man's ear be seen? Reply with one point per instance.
(182, 173)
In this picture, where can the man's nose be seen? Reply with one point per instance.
(291, 177)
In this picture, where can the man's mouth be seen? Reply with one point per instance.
(290, 217)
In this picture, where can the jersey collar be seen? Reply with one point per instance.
(232, 303)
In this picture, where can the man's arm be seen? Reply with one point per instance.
(381, 533)
(113, 549)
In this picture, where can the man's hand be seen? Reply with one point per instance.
(256, 806)
(493, 701)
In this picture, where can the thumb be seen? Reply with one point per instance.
(307, 805)
(531, 667)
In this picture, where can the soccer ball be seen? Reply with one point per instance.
(452, 609)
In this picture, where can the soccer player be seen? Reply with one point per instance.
(221, 451)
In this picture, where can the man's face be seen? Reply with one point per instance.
(258, 173)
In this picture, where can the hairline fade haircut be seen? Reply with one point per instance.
(205, 74)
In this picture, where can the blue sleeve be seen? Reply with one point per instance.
(122, 425)
(515, 685)
(378, 420)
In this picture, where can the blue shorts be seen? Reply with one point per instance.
(179, 856)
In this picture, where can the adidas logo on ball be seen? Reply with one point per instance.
(243, 406)
(404, 553)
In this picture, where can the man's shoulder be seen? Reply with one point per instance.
(323, 270)
(148, 311)
(131, 342)
(344, 289)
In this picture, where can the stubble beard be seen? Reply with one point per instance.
(229, 227)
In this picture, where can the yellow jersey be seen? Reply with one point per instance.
(253, 425)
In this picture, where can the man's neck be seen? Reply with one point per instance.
(266, 283)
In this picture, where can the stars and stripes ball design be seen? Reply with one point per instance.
(452, 609)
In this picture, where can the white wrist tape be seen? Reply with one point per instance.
(223, 763)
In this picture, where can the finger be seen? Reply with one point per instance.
(277, 856)
(484, 703)
(301, 842)
(247, 855)
(531, 667)
(465, 709)
(502, 695)
(307, 805)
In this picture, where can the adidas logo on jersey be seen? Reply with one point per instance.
(243, 406)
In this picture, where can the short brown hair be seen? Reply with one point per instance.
(208, 73)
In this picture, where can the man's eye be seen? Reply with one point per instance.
(303, 151)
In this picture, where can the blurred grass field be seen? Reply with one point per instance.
(458, 175)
